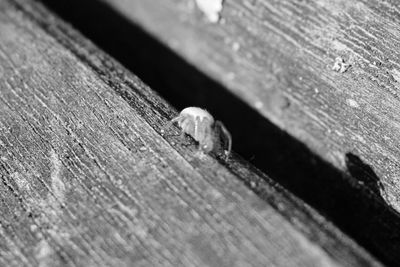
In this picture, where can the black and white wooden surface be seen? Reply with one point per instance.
(279, 58)
(87, 178)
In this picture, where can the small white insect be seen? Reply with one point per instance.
(200, 124)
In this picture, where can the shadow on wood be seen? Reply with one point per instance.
(363, 173)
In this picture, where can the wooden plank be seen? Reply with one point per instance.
(278, 57)
(88, 180)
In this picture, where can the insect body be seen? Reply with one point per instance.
(200, 124)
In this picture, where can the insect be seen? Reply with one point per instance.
(200, 124)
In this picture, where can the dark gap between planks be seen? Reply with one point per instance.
(354, 208)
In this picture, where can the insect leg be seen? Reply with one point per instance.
(170, 123)
(227, 136)
(196, 129)
(184, 126)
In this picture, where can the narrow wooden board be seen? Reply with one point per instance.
(88, 180)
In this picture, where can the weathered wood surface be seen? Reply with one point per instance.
(88, 180)
(278, 57)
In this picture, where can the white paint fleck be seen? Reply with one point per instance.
(352, 103)
(143, 148)
(340, 65)
(210, 8)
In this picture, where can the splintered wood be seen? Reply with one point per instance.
(87, 180)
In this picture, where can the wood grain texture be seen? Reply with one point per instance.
(278, 57)
(88, 180)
